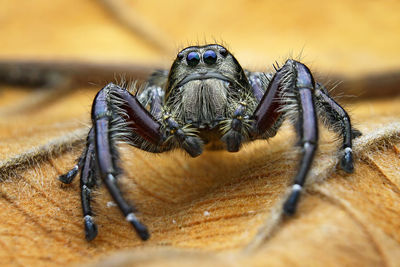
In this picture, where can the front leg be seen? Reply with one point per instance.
(181, 136)
(307, 130)
(116, 114)
(291, 94)
(235, 129)
(106, 154)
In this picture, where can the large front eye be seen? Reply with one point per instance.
(193, 58)
(209, 57)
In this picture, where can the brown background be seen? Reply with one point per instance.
(220, 208)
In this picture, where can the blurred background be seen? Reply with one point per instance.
(351, 42)
(56, 54)
(345, 37)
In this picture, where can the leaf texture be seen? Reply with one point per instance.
(220, 208)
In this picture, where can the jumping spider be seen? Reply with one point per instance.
(205, 98)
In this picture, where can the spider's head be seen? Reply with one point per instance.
(213, 63)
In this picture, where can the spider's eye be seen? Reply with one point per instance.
(209, 57)
(223, 51)
(180, 55)
(193, 58)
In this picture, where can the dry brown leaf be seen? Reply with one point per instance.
(221, 208)
(226, 205)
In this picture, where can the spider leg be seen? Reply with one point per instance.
(308, 132)
(292, 83)
(153, 95)
(184, 137)
(234, 134)
(68, 177)
(116, 115)
(87, 183)
(269, 110)
(256, 86)
(336, 117)
(86, 164)
(245, 123)
(143, 124)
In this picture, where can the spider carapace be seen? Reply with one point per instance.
(206, 97)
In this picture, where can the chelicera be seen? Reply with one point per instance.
(205, 99)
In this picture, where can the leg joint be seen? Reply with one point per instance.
(304, 79)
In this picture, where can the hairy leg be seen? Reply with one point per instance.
(291, 94)
(307, 131)
(335, 117)
(113, 107)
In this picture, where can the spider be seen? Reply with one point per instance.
(206, 99)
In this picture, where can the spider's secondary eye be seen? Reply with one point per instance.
(193, 58)
(180, 55)
(209, 57)
(223, 51)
